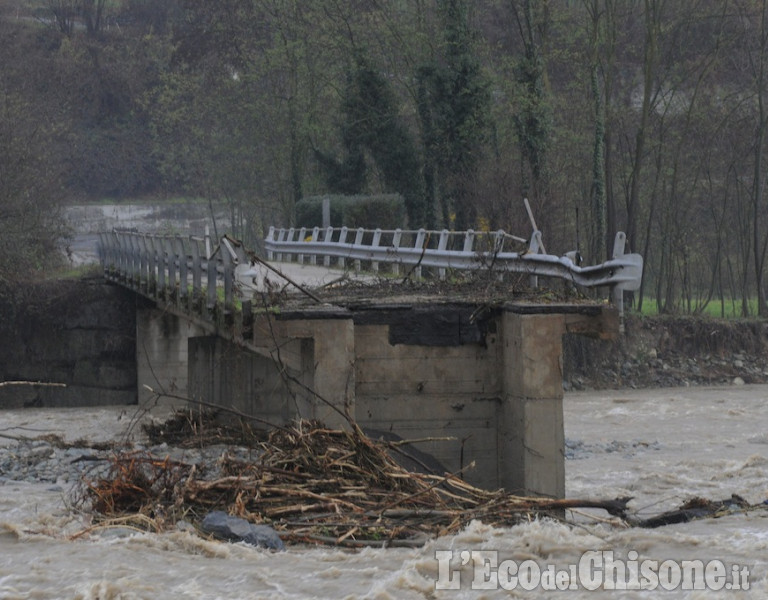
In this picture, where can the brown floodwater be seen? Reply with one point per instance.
(660, 446)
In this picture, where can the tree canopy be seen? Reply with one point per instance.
(646, 116)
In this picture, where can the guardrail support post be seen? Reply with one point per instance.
(302, 237)
(343, 240)
(315, 238)
(358, 242)
(441, 246)
(290, 233)
(328, 240)
(396, 245)
(375, 244)
(421, 240)
(211, 272)
(161, 267)
(617, 291)
(170, 251)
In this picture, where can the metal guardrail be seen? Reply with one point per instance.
(188, 272)
(445, 250)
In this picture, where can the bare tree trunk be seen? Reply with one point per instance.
(533, 123)
(610, 32)
(64, 13)
(652, 10)
(758, 243)
(746, 259)
(599, 208)
(93, 15)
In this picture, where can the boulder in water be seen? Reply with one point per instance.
(235, 529)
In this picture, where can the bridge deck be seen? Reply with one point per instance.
(583, 315)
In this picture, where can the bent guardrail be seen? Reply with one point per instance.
(445, 250)
(190, 272)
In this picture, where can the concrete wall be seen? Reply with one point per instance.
(162, 353)
(301, 368)
(419, 391)
(80, 333)
(498, 392)
(327, 367)
(531, 431)
(224, 374)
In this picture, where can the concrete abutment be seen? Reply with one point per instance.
(491, 383)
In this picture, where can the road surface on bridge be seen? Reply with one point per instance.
(308, 276)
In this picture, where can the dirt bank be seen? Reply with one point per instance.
(77, 333)
(670, 351)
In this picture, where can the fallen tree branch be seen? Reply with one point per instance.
(34, 383)
(252, 256)
(213, 405)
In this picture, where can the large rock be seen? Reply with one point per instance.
(235, 529)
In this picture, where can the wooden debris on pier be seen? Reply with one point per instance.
(315, 484)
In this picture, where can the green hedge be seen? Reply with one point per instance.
(385, 211)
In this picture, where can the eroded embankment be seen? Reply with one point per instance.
(670, 351)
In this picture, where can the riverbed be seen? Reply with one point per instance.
(660, 446)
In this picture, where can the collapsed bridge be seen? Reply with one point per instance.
(214, 326)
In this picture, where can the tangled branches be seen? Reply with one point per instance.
(314, 484)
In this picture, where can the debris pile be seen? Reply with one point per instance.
(313, 484)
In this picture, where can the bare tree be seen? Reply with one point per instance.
(63, 13)
(93, 15)
(759, 64)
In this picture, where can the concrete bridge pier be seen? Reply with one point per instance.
(327, 370)
(531, 434)
(291, 369)
(222, 373)
(475, 386)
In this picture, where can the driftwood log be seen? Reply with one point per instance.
(696, 508)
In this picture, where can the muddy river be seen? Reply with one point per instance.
(660, 446)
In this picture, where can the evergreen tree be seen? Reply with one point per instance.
(372, 123)
(532, 117)
(454, 105)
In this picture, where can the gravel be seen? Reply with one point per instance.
(41, 461)
(640, 369)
